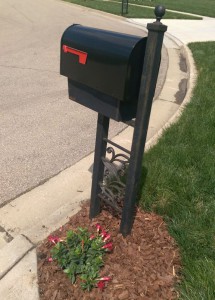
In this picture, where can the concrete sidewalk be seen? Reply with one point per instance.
(186, 31)
(33, 216)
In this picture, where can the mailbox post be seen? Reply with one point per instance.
(114, 74)
(98, 168)
(124, 7)
(147, 88)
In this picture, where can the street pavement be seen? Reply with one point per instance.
(29, 218)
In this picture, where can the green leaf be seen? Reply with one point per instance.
(73, 279)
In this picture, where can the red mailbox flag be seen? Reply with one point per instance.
(82, 56)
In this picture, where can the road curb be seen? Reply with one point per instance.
(190, 86)
(12, 253)
(21, 282)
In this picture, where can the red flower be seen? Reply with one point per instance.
(98, 227)
(106, 278)
(107, 237)
(101, 285)
(50, 259)
(92, 236)
(54, 239)
(108, 246)
(103, 234)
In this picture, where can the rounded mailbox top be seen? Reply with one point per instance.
(159, 12)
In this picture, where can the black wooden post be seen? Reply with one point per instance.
(148, 83)
(98, 167)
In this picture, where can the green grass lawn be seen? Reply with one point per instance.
(134, 11)
(179, 181)
(199, 7)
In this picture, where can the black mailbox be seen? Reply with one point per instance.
(104, 69)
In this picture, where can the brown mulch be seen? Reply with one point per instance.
(144, 265)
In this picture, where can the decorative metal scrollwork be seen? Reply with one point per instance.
(113, 185)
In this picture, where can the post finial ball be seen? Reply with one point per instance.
(159, 12)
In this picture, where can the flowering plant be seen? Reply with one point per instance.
(81, 253)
